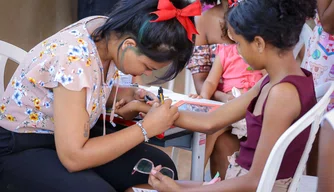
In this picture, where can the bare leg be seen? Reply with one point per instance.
(210, 143)
(312, 163)
(225, 145)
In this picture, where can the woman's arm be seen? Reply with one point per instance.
(77, 151)
(326, 159)
(211, 82)
(224, 116)
(201, 39)
(200, 23)
(326, 14)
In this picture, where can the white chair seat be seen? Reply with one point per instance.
(308, 184)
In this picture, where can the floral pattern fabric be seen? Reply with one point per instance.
(69, 58)
(202, 58)
(320, 57)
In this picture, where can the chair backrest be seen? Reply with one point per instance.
(189, 84)
(312, 117)
(8, 51)
(304, 39)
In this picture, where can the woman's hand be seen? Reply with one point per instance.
(161, 182)
(127, 110)
(160, 118)
(140, 94)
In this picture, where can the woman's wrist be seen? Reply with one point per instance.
(146, 125)
(143, 130)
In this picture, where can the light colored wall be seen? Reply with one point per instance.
(25, 23)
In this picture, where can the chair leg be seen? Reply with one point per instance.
(175, 155)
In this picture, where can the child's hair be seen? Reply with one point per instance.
(160, 41)
(278, 22)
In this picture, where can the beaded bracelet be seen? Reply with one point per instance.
(143, 130)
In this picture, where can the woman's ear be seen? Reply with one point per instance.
(260, 44)
(129, 43)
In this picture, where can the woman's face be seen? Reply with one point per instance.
(130, 61)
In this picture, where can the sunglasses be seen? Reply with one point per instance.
(145, 166)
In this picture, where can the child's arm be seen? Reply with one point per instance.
(224, 116)
(280, 111)
(326, 14)
(211, 82)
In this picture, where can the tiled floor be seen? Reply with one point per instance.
(184, 162)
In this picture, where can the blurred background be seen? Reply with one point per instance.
(25, 23)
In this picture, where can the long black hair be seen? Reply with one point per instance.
(278, 22)
(160, 41)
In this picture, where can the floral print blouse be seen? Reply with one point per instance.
(202, 58)
(320, 57)
(69, 58)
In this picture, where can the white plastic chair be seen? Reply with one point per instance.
(189, 87)
(304, 39)
(8, 51)
(313, 118)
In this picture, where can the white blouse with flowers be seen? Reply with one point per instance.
(70, 58)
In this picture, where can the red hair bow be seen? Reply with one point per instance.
(166, 11)
(232, 3)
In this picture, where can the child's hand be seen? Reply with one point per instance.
(195, 96)
(223, 97)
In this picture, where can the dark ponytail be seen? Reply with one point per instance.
(278, 22)
(160, 41)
